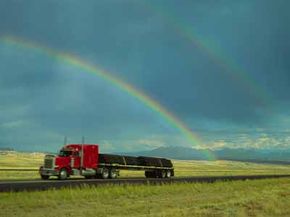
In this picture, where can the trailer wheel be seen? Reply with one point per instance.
(44, 177)
(156, 174)
(162, 174)
(168, 174)
(148, 174)
(113, 174)
(62, 174)
(105, 173)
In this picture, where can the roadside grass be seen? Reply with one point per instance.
(269, 197)
(220, 167)
(18, 160)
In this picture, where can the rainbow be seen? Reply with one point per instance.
(82, 65)
(215, 54)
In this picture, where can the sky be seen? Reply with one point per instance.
(219, 69)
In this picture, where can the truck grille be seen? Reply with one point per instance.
(48, 163)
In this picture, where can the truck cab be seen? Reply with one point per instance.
(73, 159)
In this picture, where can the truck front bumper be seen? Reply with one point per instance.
(48, 172)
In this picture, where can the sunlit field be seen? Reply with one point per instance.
(238, 198)
(269, 197)
(15, 160)
(19, 160)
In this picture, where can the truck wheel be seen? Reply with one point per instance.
(98, 176)
(88, 177)
(162, 174)
(62, 174)
(150, 174)
(147, 174)
(113, 174)
(105, 173)
(153, 174)
(44, 177)
(168, 174)
(156, 174)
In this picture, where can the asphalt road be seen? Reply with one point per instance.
(38, 185)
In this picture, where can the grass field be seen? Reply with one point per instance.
(16, 160)
(240, 198)
(269, 197)
(19, 160)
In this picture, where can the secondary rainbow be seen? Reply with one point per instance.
(214, 53)
(77, 62)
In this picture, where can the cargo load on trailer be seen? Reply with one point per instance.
(85, 160)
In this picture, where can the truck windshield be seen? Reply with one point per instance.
(64, 153)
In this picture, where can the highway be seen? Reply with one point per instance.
(40, 185)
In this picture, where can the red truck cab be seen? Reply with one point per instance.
(73, 159)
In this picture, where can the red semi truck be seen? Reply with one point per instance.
(85, 160)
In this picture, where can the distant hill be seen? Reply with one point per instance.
(254, 154)
(238, 154)
(6, 149)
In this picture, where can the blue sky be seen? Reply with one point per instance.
(232, 89)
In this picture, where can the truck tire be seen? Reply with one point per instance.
(168, 174)
(113, 174)
(62, 174)
(98, 176)
(151, 174)
(105, 173)
(156, 174)
(44, 177)
(162, 174)
(147, 174)
(159, 174)
(88, 177)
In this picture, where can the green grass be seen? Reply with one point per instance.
(182, 167)
(212, 168)
(270, 197)
(239, 198)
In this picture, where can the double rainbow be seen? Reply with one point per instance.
(84, 66)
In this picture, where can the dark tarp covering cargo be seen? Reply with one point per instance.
(130, 160)
(149, 161)
(111, 159)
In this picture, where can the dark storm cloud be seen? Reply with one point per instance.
(148, 44)
(254, 34)
(65, 102)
